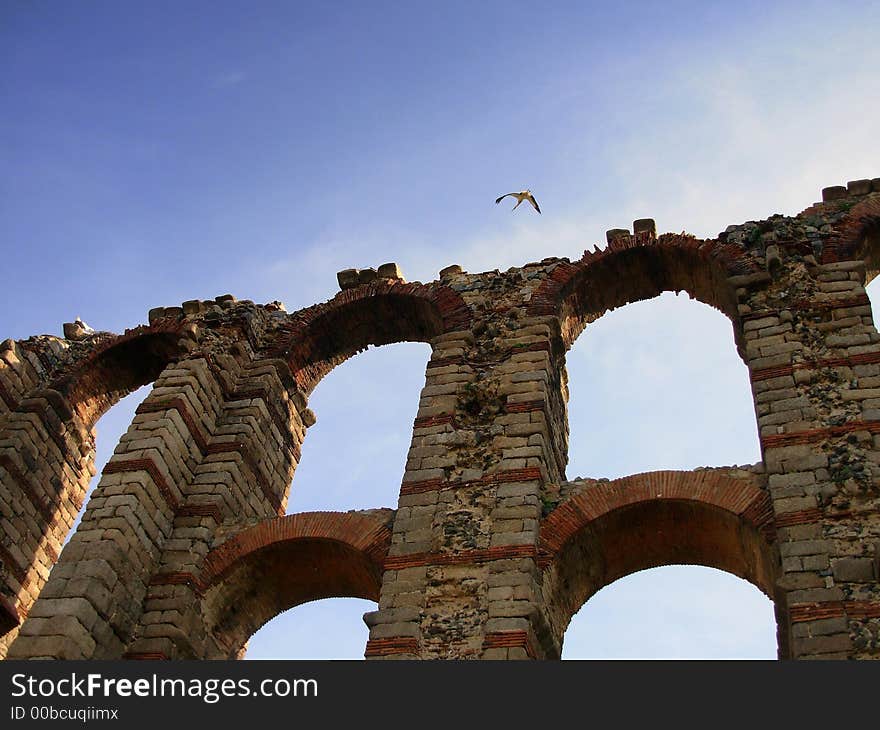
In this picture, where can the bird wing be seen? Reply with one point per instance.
(534, 202)
(498, 200)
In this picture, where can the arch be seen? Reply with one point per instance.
(317, 339)
(367, 403)
(611, 529)
(640, 267)
(653, 385)
(857, 237)
(283, 562)
(118, 366)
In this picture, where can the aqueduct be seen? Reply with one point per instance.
(184, 549)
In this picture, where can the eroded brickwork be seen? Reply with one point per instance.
(184, 550)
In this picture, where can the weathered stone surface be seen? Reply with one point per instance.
(450, 271)
(389, 271)
(835, 192)
(183, 550)
(348, 278)
(858, 187)
(645, 226)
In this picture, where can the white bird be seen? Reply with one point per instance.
(520, 197)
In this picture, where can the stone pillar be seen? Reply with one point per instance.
(244, 477)
(46, 462)
(94, 597)
(461, 579)
(814, 359)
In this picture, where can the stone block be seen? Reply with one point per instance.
(390, 271)
(347, 278)
(835, 192)
(450, 271)
(367, 276)
(853, 569)
(858, 187)
(614, 234)
(645, 226)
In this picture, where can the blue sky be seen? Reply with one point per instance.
(157, 152)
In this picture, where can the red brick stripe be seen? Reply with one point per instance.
(525, 407)
(506, 476)
(179, 578)
(867, 358)
(442, 362)
(394, 645)
(145, 656)
(508, 639)
(427, 421)
(201, 510)
(801, 517)
(149, 466)
(859, 610)
(777, 440)
(468, 557)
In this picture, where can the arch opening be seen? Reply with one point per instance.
(279, 564)
(355, 453)
(326, 335)
(674, 612)
(658, 385)
(282, 577)
(117, 369)
(623, 529)
(109, 429)
(330, 628)
(619, 277)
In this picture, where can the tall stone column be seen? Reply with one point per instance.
(95, 594)
(46, 462)
(460, 578)
(814, 358)
(244, 478)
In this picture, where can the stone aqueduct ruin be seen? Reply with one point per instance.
(184, 549)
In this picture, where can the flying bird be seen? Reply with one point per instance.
(520, 197)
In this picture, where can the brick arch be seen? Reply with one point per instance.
(635, 268)
(117, 366)
(319, 338)
(284, 562)
(858, 237)
(616, 528)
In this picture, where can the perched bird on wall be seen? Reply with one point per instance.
(520, 197)
(77, 330)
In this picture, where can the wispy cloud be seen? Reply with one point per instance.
(227, 79)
